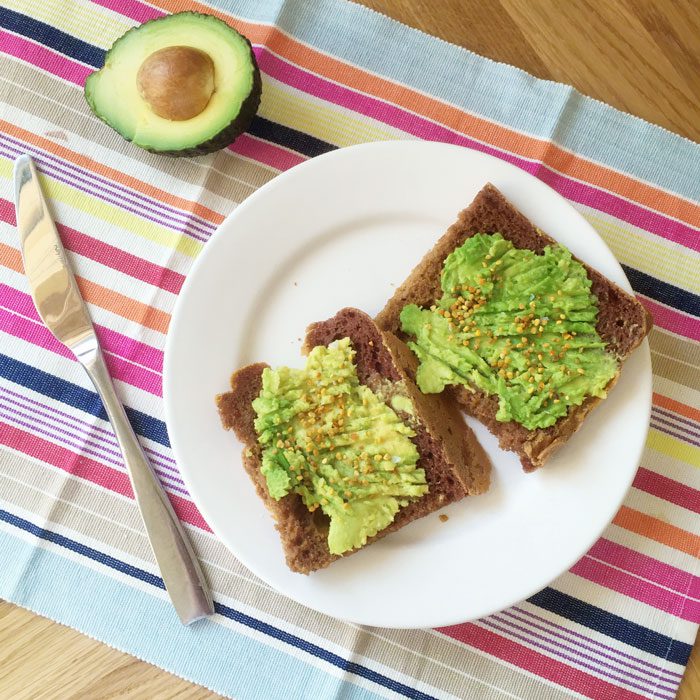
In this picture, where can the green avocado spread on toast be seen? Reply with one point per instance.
(334, 442)
(516, 324)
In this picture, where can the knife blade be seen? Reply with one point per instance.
(61, 307)
(53, 286)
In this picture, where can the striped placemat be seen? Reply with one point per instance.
(620, 624)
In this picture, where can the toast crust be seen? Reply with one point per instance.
(622, 321)
(454, 462)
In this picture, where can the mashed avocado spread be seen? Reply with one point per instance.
(334, 442)
(513, 323)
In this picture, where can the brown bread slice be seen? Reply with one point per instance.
(622, 321)
(455, 464)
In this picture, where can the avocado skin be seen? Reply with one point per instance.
(223, 138)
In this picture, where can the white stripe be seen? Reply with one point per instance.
(652, 548)
(69, 370)
(476, 115)
(134, 166)
(629, 608)
(507, 664)
(608, 649)
(625, 248)
(663, 510)
(571, 656)
(101, 316)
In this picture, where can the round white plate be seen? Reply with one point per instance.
(344, 229)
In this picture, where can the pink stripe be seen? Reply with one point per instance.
(129, 8)
(419, 126)
(372, 107)
(89, 469)
(112, 341)
(281, 159)
(264, 152)
(38, 334)
(542, 665)
(647, 567)
(636, 588)
(668, 489)
(108, 255)
(672, 320)
(44, 58)
(117, 259)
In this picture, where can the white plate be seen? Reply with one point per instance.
(342, 230)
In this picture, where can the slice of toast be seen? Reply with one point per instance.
(622, 321)
(455, 464)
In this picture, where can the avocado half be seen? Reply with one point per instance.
(118, 92)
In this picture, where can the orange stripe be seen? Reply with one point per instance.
(677, 407)
(124, 306)
(112, 174)
(453, 117)
(101, 296)
(655, 529)
(9, 257)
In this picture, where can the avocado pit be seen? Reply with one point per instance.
(177, 82)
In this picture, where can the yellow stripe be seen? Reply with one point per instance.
(672, 447)
(112, 215)
(332, 124)
(88, 22)
(661, 259)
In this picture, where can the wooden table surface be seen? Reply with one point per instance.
(642, 56)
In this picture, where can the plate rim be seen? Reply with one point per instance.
(251, 201)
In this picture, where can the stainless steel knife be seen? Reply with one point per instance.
(61, 307)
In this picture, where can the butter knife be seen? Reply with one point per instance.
(61, 307)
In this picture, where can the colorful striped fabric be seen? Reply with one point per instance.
(619, 625)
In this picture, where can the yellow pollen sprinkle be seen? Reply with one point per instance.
(521, 306)
(562, 316)
(531, 390)
(580, 370)
(280, 444)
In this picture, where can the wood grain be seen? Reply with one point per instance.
(641, 56)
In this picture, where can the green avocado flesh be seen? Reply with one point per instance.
(516, 324)
(114, 97)
(335, 443)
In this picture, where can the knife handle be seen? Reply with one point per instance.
(182, 574)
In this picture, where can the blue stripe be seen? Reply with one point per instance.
(73, 395)
(664, 292)
(612, 625)
(68, 45)
(225, 610)
(290, 138)
(480, 86)
(50, 36)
